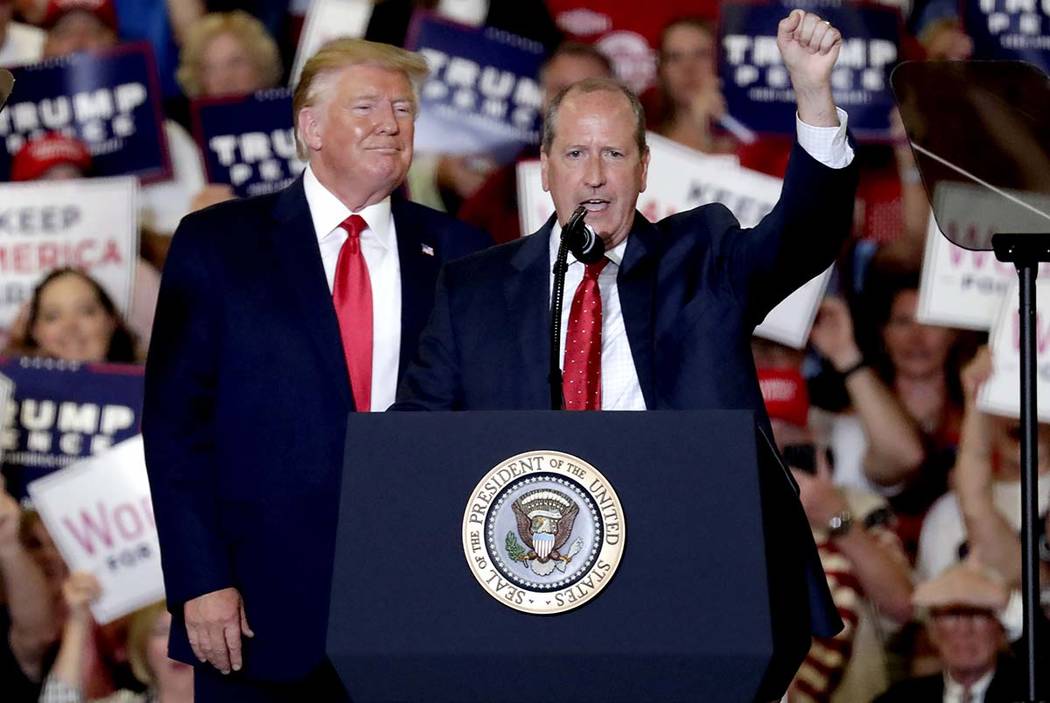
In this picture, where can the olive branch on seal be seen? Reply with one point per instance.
(514, 549)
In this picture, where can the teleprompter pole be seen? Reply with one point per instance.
(1026, 252)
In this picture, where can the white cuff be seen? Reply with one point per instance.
(828, 145)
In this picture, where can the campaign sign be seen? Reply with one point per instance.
(327, 20)
(1001, 394)
(962, 287)
(756, 83)
(89, 224)
(62, 412)
(482, 95)
(110, 100)
(100, 515)
(1009, 29)
(248, 142)
(680, 179)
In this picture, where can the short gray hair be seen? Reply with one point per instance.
(595, 85)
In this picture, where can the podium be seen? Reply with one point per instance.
(709, 601)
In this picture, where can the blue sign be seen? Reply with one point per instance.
(62, 412)
(482, 95)
(1007, 29)
(248, 142)
(109, 100)
(756, 83)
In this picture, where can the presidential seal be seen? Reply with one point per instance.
(543, 532)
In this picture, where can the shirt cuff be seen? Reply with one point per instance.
(828, 145)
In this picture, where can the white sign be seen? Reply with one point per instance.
(681, 179)
(100, 514)
(961, 287)
(1001, 394)
(89, 224)
(327, 20)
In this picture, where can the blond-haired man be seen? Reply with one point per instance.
(277, 316)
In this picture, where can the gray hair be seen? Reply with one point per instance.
(595, 85)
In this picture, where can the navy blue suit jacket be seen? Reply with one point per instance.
(692, 288)
(245, 412)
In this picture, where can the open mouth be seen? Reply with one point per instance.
(595, 204)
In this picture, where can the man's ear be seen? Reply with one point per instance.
(644, 178)
(310, 131)
(544, 165)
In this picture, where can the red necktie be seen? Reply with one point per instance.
(352, 297)
(582, 376)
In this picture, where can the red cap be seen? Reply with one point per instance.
(102, 9)
(785, 395)
(40, 155)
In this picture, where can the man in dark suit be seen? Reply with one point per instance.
(664, 320)
(277, 316)
(962, 604)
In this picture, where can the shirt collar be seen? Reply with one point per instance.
(615, 255)
(953, 690)
(328, 211)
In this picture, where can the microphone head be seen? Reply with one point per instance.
(592, 248)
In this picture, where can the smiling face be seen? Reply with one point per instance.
(71, 323)
(595, 161)
(359, 133)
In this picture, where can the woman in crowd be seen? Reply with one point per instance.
(904, 389)
(166, 680)
(691, 101)
(72, 318)
(226, 54)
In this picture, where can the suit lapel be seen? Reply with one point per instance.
(528, 305)
(418, 275)
(299, 261)
(636, 283)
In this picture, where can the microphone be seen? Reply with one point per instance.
(581, 239)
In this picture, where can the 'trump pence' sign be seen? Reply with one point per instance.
(100, 514)
(681, 179)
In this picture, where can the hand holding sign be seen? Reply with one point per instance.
(79, 591)
(810, 47)
(215, 623)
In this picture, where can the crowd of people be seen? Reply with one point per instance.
(912, 492)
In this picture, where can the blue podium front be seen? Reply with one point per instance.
(709, 601)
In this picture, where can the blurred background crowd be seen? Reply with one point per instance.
(912, 492)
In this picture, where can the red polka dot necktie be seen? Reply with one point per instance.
(582, 375)
(352, 297)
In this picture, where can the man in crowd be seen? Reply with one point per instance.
(671, 304)
(277, 316)
(962, 604)
(862, 559)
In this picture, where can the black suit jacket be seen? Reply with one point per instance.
(245, 412)
(1007, 686)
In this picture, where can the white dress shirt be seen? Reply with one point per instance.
(379, 246)
(955, 693)
(620, 387)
